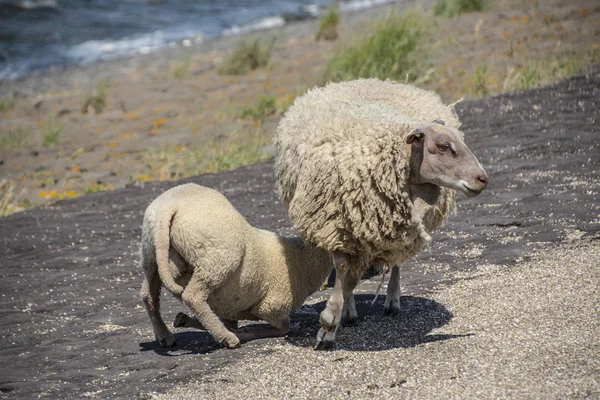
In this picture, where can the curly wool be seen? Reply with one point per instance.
(342, 168)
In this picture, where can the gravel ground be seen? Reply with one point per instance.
(526, 332)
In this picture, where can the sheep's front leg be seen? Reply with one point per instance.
(332, 314)
(392, 298)
(195, 297)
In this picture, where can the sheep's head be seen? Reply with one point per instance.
(439, 156)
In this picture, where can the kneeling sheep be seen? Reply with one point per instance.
(196, 244)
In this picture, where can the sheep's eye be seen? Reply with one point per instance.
(443, 146)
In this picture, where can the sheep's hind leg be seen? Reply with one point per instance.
(150, 294)
(331, 316)
(278, 328)
(392, 298)
(195, 297)
(349, 313)
(182, 320)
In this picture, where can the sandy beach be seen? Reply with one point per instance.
(159, 123)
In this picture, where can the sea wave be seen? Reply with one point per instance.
(357, 5)
(94, 50)
(309, 11)
(257, 25)
(24, 5)
(110, 32)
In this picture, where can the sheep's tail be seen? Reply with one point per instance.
(162, 243)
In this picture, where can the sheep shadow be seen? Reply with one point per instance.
(186, 342)
(375, 331)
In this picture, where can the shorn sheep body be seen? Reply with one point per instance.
(368, 169)
(196, 244)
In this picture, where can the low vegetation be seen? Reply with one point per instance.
(180, 69)
(452, 8)
(531, 74)
(14, 139)
(96, 99)
(555, 68)
(97, 187)
(480, 85)
(7, 200)
(175, 162)
(51, 131)
(266, 105)
(246, 56)
(391, 51)
(329, 24)
(8, 102)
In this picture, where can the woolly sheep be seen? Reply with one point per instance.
(196, 244)
(368, 169)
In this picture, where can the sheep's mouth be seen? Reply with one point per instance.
(471, 192)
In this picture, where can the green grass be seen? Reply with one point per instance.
(14, 139)
(245, 57)
(480, 85)
(51, 131)
(532, 73)
(560, 66)
(265, 106)
(530, 78)
(8, 102)
(392, 51)
(452, 8)
(181, 69)
(96, 99)
(329, 23)
(237, 150)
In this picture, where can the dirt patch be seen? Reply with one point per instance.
(73, 325)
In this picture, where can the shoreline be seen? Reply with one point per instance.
(100, 46)
(222, 42)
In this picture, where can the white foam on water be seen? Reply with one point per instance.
(30, 4)
(258, 25)
(312, 9)
(94, 50)
(357, 5)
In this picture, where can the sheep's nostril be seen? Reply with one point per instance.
(483, 179)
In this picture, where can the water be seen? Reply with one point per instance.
(38, 34)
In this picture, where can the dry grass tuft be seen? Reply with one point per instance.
(7, 200)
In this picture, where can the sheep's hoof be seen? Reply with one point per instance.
(328, 320)
(391, 309)
(168, 341)
(350, 320)
(325, 340)
(180, 320)
(231, 342)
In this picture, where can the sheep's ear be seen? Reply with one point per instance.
(416, 136)
(439, 121)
